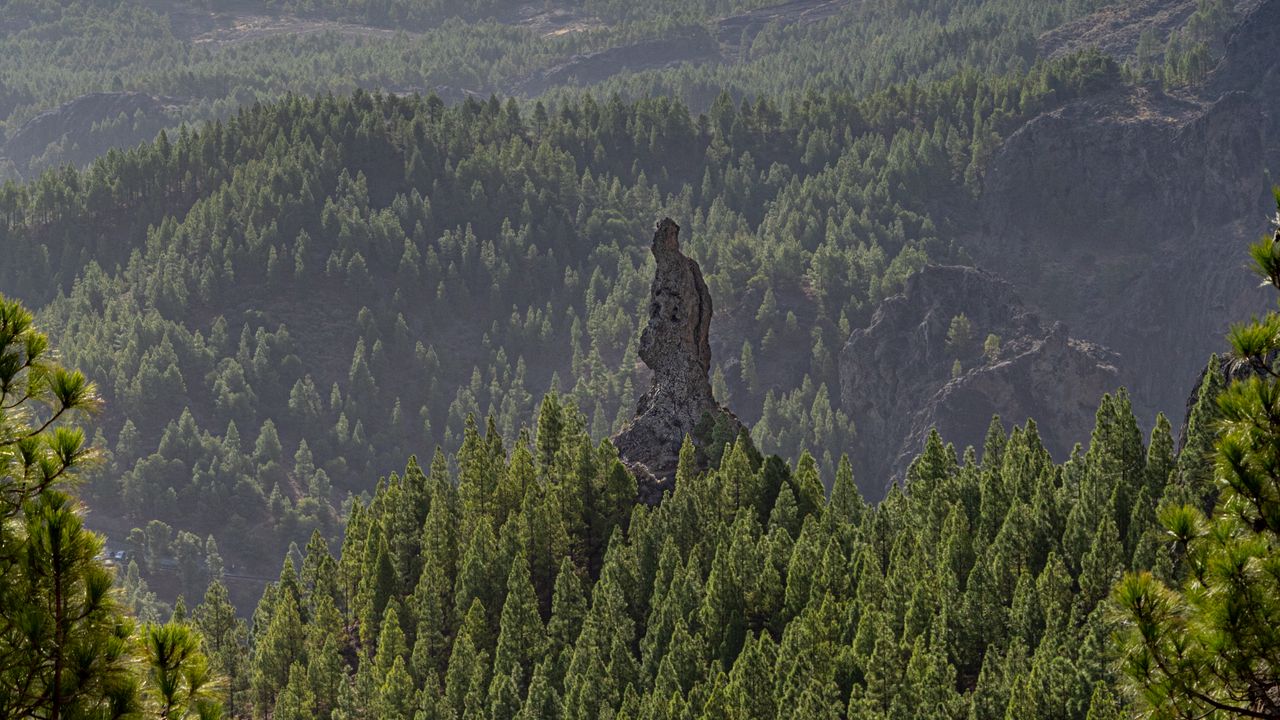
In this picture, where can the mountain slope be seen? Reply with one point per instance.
(1123, 204)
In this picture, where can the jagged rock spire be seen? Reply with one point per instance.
(675, 346)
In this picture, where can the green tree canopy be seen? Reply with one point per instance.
(1209, 647)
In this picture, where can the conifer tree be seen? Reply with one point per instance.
(391, 641)
(275, 651)
(66, 645)
(226, 641)
(1195, 479)
(64, 641)
(1209, 647)
(395, 700)
(295, 701)
(521, 637)
(179, 682)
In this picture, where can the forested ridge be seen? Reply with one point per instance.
(358, 235)
(527, 586)
(200, 61)
(526, 582)
(280, 305)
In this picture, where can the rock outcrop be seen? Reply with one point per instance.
(1115, 29)
(675, 346)
(694, 46)
(87, 127)
(896, 382)
(1130, 206)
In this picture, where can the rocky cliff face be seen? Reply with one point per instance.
(896, 382)
(1124, 214)
(1251, 64)
(675, 346)
(1125, 208)
(1115, 29)
(78, 125)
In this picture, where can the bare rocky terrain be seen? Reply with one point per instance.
(88, 126)
(1115, 29)
(897, 381)
(1119, 209)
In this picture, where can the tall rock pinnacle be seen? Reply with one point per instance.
(675, 347)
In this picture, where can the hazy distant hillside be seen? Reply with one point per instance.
(197, 61)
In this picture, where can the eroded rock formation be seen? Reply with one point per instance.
(675, 346)
(896, 376)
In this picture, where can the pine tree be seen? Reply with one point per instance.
(1209, 647)
(521, 636)
(846, 502)
(295, 701)
(64, 642)
(810, 495)
(378, 589)
(550, 427)
(468, 667)
(395, 699)
(326, 670)
(476, 573)
(542, 702)
(179, 682)
(278, 647)
(602, 664)
(226, 641)
(1195, 481)
(391, 641)
(752, 671)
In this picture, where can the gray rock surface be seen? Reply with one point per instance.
(1130, 207)
(896, 383)
(684, 46)
(1116, 28)
(1251, 64)
(1120, 211)
(74, 123)
(675, 346)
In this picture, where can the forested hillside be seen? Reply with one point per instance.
(280, 305)
(525, 585)
(528, 583)
(126, 68)
(284, 303)
(291, 247)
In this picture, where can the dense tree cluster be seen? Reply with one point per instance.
(68, 648)
(524, 584)
(52, 51)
